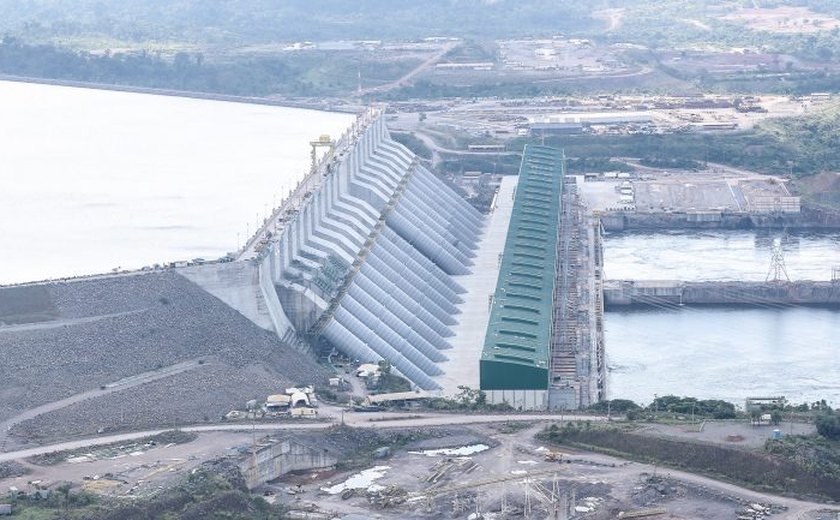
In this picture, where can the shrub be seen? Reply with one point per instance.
(828, 425)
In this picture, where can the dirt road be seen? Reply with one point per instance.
(358, 420)
(408, 77)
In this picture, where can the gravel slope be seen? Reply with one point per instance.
(161, 319)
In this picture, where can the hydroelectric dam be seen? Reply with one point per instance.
(373, 257)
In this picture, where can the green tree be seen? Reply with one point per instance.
(828, 425)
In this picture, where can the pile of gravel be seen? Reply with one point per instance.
(201, 395)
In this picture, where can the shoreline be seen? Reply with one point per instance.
(251, 100)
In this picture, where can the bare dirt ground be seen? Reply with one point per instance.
(513, 476)
(130, 468)
(727, 432)
(786, 19)
(497, 469)
(715, 188)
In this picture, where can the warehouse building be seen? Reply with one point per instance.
(516, 362)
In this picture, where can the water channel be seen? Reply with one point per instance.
(722, 352)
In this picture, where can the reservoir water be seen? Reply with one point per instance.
(722, 352)
(92, 180)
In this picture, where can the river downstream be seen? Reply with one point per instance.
(722, 352)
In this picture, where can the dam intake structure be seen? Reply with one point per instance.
(365, 263)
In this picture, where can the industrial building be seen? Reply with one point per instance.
(377, 259)
(515, 362)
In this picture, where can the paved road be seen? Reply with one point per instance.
(54, 324)
(438, 149)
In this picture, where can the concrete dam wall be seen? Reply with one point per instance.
(366, 262)
(619, 293)
(274, 459)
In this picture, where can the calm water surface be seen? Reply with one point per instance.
(91, 179)
(722, 352)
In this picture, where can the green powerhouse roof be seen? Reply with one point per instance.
(516, 348)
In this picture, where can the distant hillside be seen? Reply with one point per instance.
(259, 21)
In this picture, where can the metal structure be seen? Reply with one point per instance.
(777, 271)
(578, 365)
(559, 502)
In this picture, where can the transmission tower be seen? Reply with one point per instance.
(777, 271)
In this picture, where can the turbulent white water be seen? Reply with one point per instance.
(91, 180)
(718, 255)
(722, 352)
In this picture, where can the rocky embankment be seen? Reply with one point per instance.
(101, 331)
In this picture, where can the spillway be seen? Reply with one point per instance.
(366, 262)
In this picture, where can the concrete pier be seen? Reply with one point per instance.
(666, 293)
(808, 218)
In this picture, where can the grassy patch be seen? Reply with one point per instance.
(510, 427)
(414, 144)
(813, 453)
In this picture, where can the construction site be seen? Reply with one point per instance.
(501, 469)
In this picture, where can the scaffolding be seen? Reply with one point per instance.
(577, 344)
(557, 500)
